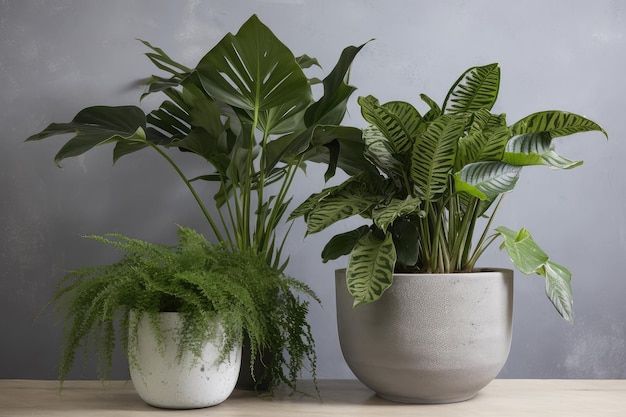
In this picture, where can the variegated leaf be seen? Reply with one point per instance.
(555, 123)
(559, 289)
(378, 151)
(370, 268)
(398, 121)
(535, 149)
(489, 178)
(434, 155)
(346, 200)
(385, 216)
(486, 140)
(476, 89)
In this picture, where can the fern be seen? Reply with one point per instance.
(206, 284)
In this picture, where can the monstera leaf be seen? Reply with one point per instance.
(254, 71)
(99, 125)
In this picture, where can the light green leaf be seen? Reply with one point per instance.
(522, 249)
(559, 289)
(536, 149)
(477, 88)
(529, 258)
(434, 155)
(343, 243)
(387, 214)
(489, 178)
(370, 268)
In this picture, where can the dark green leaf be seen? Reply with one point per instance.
(343, 243)
(253, 70)
(406, 240)
(98, 125)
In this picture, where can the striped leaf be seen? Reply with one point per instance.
(398, 121)
(536, 149)
(487, 180)
(559, 288)
(370, 268)
(434, 109)
(486, 140)
(349, 199)
(378, 151)
(477, 88)
(555, 123)
(385, 216)
(529, 258)
(434, 154)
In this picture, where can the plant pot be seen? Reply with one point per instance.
(431, 338)
(164, 380)
(262, 379)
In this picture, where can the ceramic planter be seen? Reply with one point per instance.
(162, 380)
(431, 338)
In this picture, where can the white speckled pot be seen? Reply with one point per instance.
(431, 338)
(162, 380)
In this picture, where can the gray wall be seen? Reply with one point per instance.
(59, 56)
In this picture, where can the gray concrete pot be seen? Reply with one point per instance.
(431, 338)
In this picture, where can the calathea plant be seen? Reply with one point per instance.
(247, 108)
(432, 177)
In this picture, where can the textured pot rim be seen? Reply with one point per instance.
(475, 272)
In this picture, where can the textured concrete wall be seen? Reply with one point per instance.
(58, 56)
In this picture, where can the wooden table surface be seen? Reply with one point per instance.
(501, 398)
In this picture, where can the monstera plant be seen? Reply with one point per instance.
(247, 109)
(433, 177)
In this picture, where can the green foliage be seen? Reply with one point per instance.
(207, 284)
(247, 108)
(432, 177)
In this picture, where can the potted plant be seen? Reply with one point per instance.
(427, 324)
(182, 310)
(248, 110)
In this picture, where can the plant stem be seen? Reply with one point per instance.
(173, 164)
(484, 242)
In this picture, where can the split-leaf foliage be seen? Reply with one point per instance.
(247, 109)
